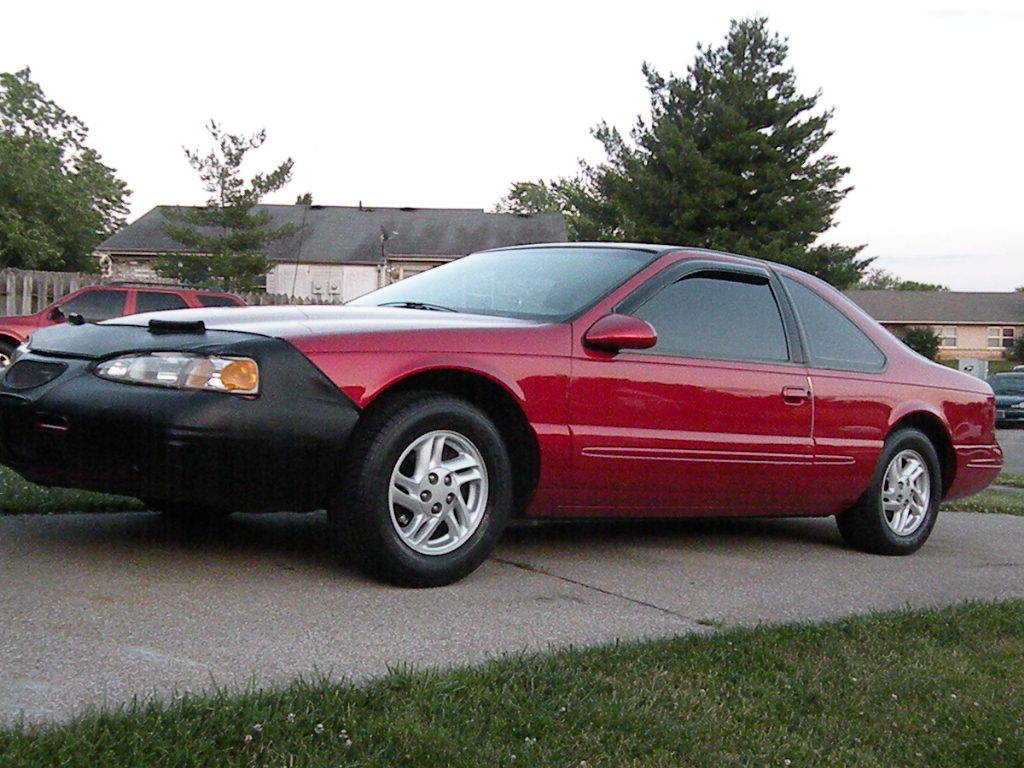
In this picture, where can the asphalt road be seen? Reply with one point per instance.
(1012, 442)
(98, 608)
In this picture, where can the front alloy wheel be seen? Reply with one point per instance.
(6, 353)
(438, 492)
(428, 489)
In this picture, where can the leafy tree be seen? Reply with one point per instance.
(57, 198)
(731, 157)
(883, 280)
(530, 197)
(225, 242)
(306, 198)
(586, 216)
(1016, 350)
(923, 340)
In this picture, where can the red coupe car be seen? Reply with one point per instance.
(579, 380)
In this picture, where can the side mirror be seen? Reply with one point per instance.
(614, 332)
(55, 314)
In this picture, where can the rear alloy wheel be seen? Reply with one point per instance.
(896, 514)
(428, 491)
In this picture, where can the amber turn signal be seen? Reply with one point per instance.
(240, 374)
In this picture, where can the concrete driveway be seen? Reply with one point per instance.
(98, 608)
(1012, 443)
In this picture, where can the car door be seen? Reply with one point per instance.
(715, 418)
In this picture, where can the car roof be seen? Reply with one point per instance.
(654, 248)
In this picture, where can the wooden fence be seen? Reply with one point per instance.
(258, 299)
(27, 291)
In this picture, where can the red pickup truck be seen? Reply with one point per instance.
(102, 302)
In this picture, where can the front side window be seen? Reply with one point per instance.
(1000, 338)
(717, 317)
(833, 340)
(156, 301)
(551, 284)
(94, 306)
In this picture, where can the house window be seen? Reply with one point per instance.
(947, 335)
(1000, 338)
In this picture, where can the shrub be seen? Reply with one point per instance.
(924, 341)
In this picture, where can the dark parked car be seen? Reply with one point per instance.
(1009, 391)
(580, 380)
(102, 302)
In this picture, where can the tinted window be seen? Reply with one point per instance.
(718, 318)
(151, 301)
(216, 301)
(94, 306)
(833, 340)
(551, 284)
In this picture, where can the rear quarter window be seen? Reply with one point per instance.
(216, 301)
(157, 301)
(833, 340)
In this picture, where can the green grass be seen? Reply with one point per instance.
(18, 496)
(1005, 502)
(926, 688)
(1014, 481)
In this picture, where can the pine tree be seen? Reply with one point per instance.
(225, 242)
(731, 157)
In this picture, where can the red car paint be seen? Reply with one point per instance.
(637, 434)
(16, 328)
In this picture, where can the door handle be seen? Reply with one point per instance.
(795, 395)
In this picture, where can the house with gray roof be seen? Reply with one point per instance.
(971, 324)
(340, 252)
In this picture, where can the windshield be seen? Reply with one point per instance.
(550, 284)
(1007, 385)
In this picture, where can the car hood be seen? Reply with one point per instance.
(228, 324)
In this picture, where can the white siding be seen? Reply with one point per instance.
(324, 282)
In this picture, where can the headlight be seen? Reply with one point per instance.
(183, 370)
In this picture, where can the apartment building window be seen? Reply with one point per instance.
(1000, 338)
(947, 334)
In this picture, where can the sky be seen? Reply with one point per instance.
(444, 104)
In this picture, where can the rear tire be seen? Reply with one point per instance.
(897, 512)
(428, 490)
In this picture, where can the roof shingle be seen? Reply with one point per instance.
(349, 235)
(941, 307)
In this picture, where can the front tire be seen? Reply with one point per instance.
(897, 512)
(6, 353)
(428, 490)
